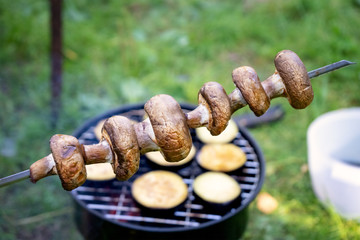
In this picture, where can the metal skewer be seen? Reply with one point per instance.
(329, 68)
(14, 178)
(312, 74)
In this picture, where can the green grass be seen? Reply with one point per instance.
(119, 52)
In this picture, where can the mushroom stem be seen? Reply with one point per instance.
(274, 86)
(42, 168)
(97, 153)
(237, 100)
(146, 137)
(199, 117)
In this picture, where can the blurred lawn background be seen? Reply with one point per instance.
(120, 52)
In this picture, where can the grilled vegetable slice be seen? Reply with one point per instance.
(225, 157)
(159, 190)
(157, 158)
(226, 136)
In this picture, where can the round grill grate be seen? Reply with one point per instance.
(112, 201)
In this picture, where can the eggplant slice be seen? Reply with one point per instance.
(222, 157)
(159, 190)
(100, 172)
(226, 136)
(157, 158)
(217, 190)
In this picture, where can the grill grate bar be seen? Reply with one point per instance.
(97, 190)
(198, 215)
(245, 179)
(251, 164)
(133, 209)
(121, 200)
(245, 195)
(97, 198)
(241, 142)
(152, 220)
(251, 156)
(188, 181)
(248, 150)
(190, 199)
(194, 206)
(247, 187)
(112, 207)
(250, 171)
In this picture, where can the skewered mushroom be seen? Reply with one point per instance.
(167, 127)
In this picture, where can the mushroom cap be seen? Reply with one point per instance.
(213, 96)
(247, 81)
(295, 78)
(120, 134)
(70, 164)
(170, 128)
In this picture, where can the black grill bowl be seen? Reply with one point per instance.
(107, 211)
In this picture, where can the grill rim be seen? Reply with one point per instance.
(138, 106)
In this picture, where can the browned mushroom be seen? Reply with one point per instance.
(290, 80)
(214, 110)
(168, 122)
(68, 159)
(247, 80)
(70, 165)
(213, 96)
(120, 134)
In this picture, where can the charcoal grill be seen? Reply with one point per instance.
(107, 211)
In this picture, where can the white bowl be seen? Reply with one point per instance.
(334, 160)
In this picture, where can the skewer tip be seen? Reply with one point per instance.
(348, 62)
(329, 68)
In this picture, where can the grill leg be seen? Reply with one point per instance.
(56, 58)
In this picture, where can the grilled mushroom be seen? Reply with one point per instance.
(120, 134)
(69, 162)
(168, 122)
